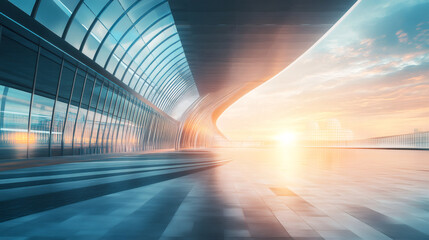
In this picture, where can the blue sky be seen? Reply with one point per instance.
(371, 73)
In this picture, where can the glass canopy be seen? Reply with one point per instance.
(135, 40)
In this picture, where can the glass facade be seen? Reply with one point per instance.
(51, 104)
(135, 40)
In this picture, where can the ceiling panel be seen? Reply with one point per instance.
(229, 43)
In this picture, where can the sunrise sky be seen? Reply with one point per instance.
(370, 73)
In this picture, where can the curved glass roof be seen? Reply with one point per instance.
(135, 40)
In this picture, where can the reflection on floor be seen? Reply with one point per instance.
(224, 194)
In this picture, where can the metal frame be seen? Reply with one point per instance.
(163, 98)
(164, 65)
(143, 129)
(160, 98)
(95, 113)
(111, 119)
(134, 42)
(124, 120)
(115, 125)
(32, 99)
(150, 53)
(86, 119)
(170, 68)
(141, 49)
(160, 62)
(35, 8)
(132, 26)
(182, 70)
(128, 123)
(139, 125)
(88, 32)
(173, 102)
(135, 119)
(178, 91)
(115, 23)
(104, 114)
(67, 113)
(162, 101)
(150, 132)
(149, 129)
(175, 90)
(71, 18)
(54, 107)
(126, 105)
(162, 76)
(31, 29)
(169, 107)
(79, 107)
(132, 129)
(123, 35)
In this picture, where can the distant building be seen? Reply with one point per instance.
(328, 133)
(331, 134)
(418, 140)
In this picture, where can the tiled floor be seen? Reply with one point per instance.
(223, 194)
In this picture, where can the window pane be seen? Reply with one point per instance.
(111, 14)
(41, 114)
(152, 17)
(17, 64)
(120, 71)
(121, 27)
(158, 27)
(105, 50)
(100, 132)
(48, 73)
(54, 15)
(79, 127)
(112, 106)
(102, 98)
(130, 37)
(118, 109)
(68, 130)
(96, 94)
(126, 3)
(24, 5)
(14, 108)
(105, 141)
(113, 62)
(87, 130)
(57, 128)
(88, 91)
(78, 87)
(109, 100)
(66, 83)
(91, 46)
(96, 6)
(95, 130)
(82, 21)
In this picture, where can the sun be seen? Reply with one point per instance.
(286, 138)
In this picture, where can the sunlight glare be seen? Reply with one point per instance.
(286, 138)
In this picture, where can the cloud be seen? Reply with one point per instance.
(402, 36)
(371, 73)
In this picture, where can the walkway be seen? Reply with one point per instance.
(224, 194)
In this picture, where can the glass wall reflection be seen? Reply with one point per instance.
(52, 105)
(136, 41)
